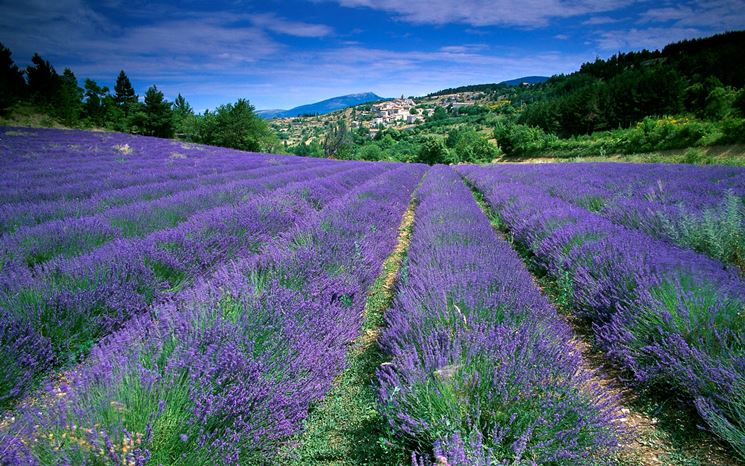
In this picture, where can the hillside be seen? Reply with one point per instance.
(686, 95)
(525, 80)
(322, 107)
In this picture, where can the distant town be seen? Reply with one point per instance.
(400, 113)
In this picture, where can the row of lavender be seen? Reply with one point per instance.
(53, 316)
(46, 164)
(701, 208)
(74, 235)
(483, 371)
(226, 372)
(16, 215)
(672, 317)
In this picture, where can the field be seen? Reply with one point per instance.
(172, 303)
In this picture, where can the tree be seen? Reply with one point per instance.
(124, 93)
(719, 102)
(308, 149)
(739, 103)
(67, 103)
(155, 118)
(439, 114)
(371, 152)
(237, 126)
(432, 151)
(12, 84)
(43, 80)
(94, 106)
(185, 122)
(470, 146)
(336, 138)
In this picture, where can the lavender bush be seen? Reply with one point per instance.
(671, 316)
(225, 372)
(700, 208)
(482, 370)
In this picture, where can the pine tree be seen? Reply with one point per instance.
(156, 116)
(43, 80)
(184, 118)
(12, 84)
(124, 92)
(95, 102)
(67, 103)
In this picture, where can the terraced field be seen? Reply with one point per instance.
(169, 303)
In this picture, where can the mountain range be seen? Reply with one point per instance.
(350, 100)
(324, 106)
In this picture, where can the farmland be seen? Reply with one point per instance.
(163, 302)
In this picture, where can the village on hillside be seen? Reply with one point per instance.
(400, 113)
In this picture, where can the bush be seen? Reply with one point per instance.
(518, 139)
(236, 126)
(432, 151)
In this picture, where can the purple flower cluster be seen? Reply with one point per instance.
(483, 370)
(702, 208)
(63, 306)
(672, 317)
(227, 369)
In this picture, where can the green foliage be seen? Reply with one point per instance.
(12, 84)
(94, 106)
(236, 126)
(370, 152)
(739, 103)
(719, 232)
(432, 151)
(125, 97)
(67, 103)
(470, 146)
(155, 117)
(185, 121)
(719, 102)
(43, 80)
(439, 114)
(311, 149)
(515, 139)
(337, 137)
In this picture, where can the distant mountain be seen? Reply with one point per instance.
(324, 106)
(525, 80)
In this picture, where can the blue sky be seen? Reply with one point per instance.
(279, 54)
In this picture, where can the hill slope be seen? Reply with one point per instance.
(324, 106)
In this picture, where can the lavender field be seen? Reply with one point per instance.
(172, 303)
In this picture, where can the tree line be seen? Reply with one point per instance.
(700, 77)
(61, 97)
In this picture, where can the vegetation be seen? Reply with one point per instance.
(690, 94)
(59, 99)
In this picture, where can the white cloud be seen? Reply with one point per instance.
(273, 23)
(712, 15)
(598, 20)
(526, 13)
(636, 39)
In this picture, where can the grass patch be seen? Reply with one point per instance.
(346, 426)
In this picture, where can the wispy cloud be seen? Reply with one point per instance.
(598, 20)
(271, 22)
(703, 14)
(650, 38)
(527, 13)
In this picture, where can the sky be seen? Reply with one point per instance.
(280, 54)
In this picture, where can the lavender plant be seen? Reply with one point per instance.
(229, 369)
(482, 370)
(672, 317)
